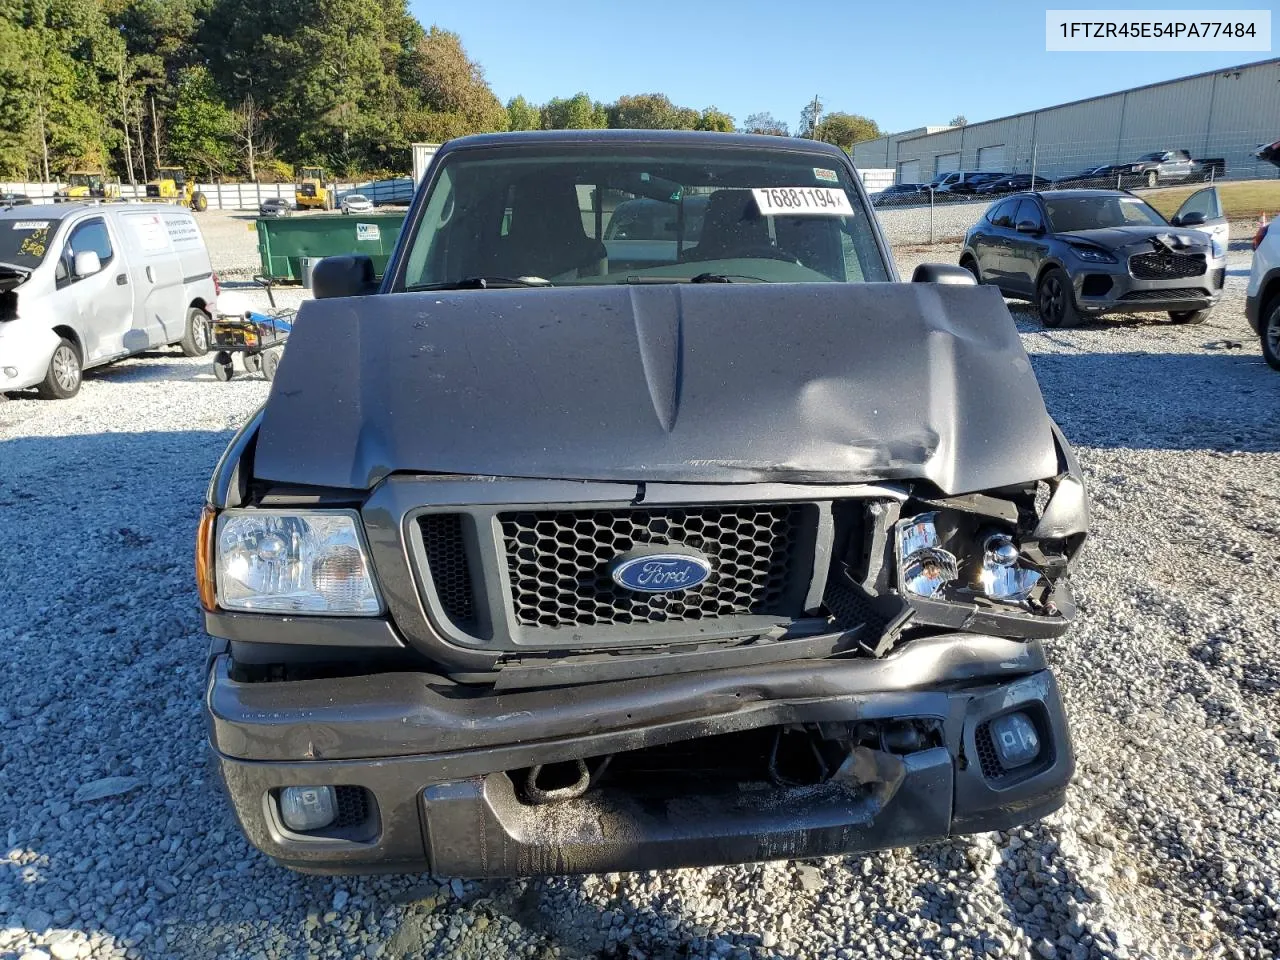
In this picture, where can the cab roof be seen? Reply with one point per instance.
(686, 137)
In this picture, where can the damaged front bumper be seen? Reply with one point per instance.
(775, 761)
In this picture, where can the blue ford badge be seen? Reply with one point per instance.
(660, 572)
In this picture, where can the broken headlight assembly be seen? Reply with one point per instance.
(949, 555)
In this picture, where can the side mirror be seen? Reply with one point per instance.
(1193, 219)
(1028, 226)
(943, 273)
(350, 275)
(86, 264)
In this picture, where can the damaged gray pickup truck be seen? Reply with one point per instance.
(696, 538)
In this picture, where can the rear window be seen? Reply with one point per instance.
(25, 241)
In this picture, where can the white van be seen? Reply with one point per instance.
(82, 285)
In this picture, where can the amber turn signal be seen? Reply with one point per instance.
(204, 558)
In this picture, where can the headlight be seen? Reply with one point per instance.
(1093, 255)
(283, 562)
(1217, 248)
(936, 558)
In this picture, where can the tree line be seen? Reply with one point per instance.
(228, 88)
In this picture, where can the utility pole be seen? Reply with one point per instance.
(44, 138)
(817, 108)
(142, 146)
(124, 123)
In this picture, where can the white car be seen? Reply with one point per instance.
(84, 285)
(1262, 298)
(356, 203)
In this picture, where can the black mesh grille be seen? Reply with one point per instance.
(992, 768)
(353, 806)
(450, 572)
(1172, 293)
(558, 562)
(1219, 277)
(1166, 266)
(1096, 285)
(849, 605)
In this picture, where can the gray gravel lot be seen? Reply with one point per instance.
(113, 840)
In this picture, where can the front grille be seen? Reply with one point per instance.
(992, 768)
(1173, 293)
(353, 806)
(153, 189)
(450, 570)
(1166, 266)
(559, 561)
(1219, 277)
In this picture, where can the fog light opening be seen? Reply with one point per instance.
(304, 809)
(1016, 741)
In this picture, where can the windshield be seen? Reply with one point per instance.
(84, 180)
(358, 198)
(622, 213)
(1067, 215)
(23, 243)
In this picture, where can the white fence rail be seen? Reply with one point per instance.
(240, 196)
(876, 179)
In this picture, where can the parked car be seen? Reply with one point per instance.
(533, 564)
(948, 182)
(1178, 165)
(356, 203)
(1078, 253)
(1108, 176)
(83, 285)
(10, 200)
(974, 181)
(276, 207)
(1013, 183)
(901, 195)
(1262, 296)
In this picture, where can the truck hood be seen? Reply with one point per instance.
(722, 383)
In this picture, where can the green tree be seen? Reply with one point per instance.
(523, 115)
(959, 120)
(715, 120)
(764, 123)
(651, 111)
(846, 129)
(575, 113)
(201, 127)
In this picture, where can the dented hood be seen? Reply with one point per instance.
(723, 383)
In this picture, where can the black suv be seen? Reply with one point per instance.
(537, 560)
(1077, 253)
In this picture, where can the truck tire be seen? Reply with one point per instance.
(199, 202)
(270, 361)
(63, 378)
(1055, 302)
(195, 339)
(222, 366)
(1153, 178)
(1190, 316)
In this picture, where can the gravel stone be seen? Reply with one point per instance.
(1168, 846)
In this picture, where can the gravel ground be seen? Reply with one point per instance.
(113, 841)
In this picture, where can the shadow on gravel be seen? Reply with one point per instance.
(1159, 401)
(171, 370)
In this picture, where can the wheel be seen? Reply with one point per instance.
(1152, 178)
(1190, 316)
(253, 362)
(971, 265)
(199, 202)
(222, 368)
(1054, 300)
(62, 380)
(195, 341)
(1270, 335)
(270, 361)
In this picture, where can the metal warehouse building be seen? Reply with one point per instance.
(1224, 113)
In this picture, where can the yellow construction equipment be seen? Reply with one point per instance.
(171, 184)
(310, 191)
(88, 185)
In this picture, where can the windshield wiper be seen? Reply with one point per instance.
(481, 283)
(15, 268)
(699, 278)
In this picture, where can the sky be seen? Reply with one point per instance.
(904, 65)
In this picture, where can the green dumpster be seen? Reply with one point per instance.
(283, 241)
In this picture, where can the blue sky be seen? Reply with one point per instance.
(903, 64)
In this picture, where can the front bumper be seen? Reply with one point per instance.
(433, 759)
(1108, 288)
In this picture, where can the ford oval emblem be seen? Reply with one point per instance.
(659, 572)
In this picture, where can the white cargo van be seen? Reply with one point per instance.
(82, 285)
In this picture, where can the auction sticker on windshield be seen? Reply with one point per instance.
(802, 201)
(31, 225)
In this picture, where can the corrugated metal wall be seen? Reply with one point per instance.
(1225, 114)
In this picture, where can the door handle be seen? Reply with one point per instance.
(122, 279)
(151, 275)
